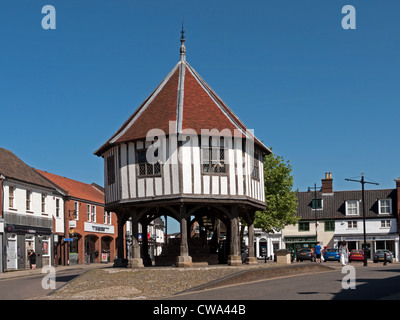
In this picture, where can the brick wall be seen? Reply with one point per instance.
(80, 233)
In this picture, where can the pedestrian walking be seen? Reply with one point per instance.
(318, 252)
(344, 253)
(32, 259)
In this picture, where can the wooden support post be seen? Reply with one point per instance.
(136, 261)
(184, 260)
(120, 261)
(234, 258)
(251, 259)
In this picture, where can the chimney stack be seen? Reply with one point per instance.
(327, 183)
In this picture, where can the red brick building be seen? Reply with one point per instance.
(90, 231)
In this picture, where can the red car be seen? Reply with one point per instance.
(356, 255)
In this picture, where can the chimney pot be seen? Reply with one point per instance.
(327, 183)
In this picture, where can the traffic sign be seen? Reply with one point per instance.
(67, 239)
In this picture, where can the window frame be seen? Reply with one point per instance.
(357, 208)
(316, 200)
(352, 224)
(93, 213)
(88, 213)
(389, 206)
(217, 166)
(58, 207)
(76, 210)
(28, 199)
(386, 224)
(11, 197)
(329, 225)
(143, 163)
(255, 173)
(306, 226)
(43, 203)
(110, 169)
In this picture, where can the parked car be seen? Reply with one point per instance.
(305, 254)
(379, 255)
(331, 254)
(356, 255)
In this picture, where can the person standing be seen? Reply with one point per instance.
(32, 259)
(344, 253)
(318, 252)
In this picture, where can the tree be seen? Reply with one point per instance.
(280, 199)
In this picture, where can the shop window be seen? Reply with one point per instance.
(46, 246)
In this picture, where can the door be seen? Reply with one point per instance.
(29, 245)
(12, 252)
(367, 250)
(38, 246)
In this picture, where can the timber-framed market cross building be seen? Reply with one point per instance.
(184, 154)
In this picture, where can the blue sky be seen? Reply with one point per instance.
(324, 98)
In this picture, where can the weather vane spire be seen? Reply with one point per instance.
(183, 48)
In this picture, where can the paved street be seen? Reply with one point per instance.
(27, 284)
(372, 282)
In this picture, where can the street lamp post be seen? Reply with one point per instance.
(363, 182)
(314, 206)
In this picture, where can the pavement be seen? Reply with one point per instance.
(29, 272)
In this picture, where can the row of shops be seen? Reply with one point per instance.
(266, 244)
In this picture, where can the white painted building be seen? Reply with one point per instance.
(265, 244)
(331, 216)
(32, 211)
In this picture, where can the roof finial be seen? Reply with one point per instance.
(183, 49)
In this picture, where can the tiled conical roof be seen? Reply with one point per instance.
(184, 98)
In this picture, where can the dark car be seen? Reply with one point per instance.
(356, 255)
(305, 254)
(379, 255)
(331, 254)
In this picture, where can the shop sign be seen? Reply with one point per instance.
(368, 238)
(101, 228)
(26, 229)
(299, 239)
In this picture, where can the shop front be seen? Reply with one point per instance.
(21, 240)
(373, 243)
(294, 243)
